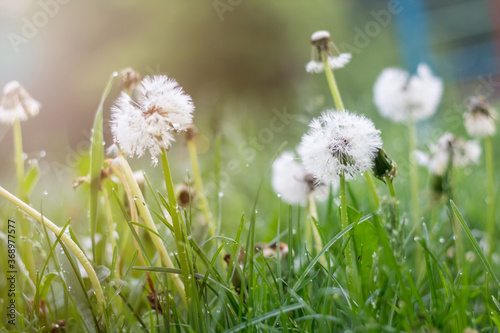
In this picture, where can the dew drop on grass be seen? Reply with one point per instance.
(221, 194)
(278, 195)
(43, 153)
(454, 237)
(25, 156)
(441, 240)
(45, 193)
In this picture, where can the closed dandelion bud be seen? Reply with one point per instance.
(384, 167)
(16, 104)
(191, 132)
(185, 195)
(129, 79)
(480, 118)
(322, 44)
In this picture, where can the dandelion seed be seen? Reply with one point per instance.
(322, 44)
(480, 118)
(293, 182)
(402, 98)
(149, 124)
(16, 104)
(463, 153)
(339, 143)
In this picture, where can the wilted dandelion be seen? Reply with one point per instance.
(449, 148)
(129, 79)
(401, 98)
(339, 143)
(149, 124)
(480, 118)
(16, 104)
(292, 181)
(322, 45)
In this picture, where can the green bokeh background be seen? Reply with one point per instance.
(238, 66)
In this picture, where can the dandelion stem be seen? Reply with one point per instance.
(94, 281)
(176, 223)
(415, 200)
(198, 184)
(313, 212)
(351, 272)
(373, 190)
(111, 226)
(491, 228)
(148, 221)
(332, 83)
(25, 225)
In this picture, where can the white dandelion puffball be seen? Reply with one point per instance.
(462, 152)
(16, 104)
(291, 180)
(149, 124)
(402, 98)
(334, 62)
(322, 45)
(339, 143)
(480, 118)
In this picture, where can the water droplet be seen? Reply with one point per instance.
(441, 240)
(25, 156)
(43, 153)
(454, 237)
(279, 195)
(45, 193)
(256, 211)
(221, 194)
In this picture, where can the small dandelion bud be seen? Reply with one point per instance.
(480, 118)
(384, 167)
(185, 195)
(162, 109)
(322, 44)
(129, 79)
(339, 143)
(293, 182)
(401, 98)
(16, 104)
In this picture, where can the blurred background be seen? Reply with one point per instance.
(243, 63)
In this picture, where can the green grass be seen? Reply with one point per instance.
(394, 290)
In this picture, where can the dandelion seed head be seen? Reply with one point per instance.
(480, 118)
(293, 182)
(322, 45)
(463, 153)
(16, 104)
(162, 109)
(400, 97)
(319, 35)
(339, 143)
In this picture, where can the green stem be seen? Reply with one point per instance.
(332, 83)
(148, 221)
(415, 200)
(345, 223)
(491, 227)
(25, 225)
(111, 226)
(94, 281)
(176, 223)
(198, 184)
(318, 243)
(373, 190)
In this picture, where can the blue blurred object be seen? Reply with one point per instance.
(457, 37)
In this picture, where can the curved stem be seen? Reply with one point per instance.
(94, 281)
(148, 221)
